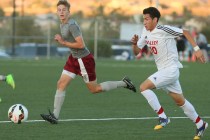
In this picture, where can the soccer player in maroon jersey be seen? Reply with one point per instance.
(80, 62)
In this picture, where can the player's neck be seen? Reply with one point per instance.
(64, 21)
(153, 27)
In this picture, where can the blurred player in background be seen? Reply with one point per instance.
(8, 79)
(180, 43)
(161, 40)
(203, 44)
(80, 62)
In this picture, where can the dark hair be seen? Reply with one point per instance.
(153, 12)
(64, 2)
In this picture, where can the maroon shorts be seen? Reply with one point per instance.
(84, 67)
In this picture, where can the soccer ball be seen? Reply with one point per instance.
(18, 113)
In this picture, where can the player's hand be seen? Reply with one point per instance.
(59, 38)
(135, 39)
(199, 56)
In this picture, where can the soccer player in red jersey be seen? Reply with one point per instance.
(161, 41)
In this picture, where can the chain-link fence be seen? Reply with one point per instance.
(33, 36)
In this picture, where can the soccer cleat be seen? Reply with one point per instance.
(50, 118)
(10, 80)
(200, 131)
(162, 123)
(129, 84)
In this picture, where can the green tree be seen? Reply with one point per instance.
(1, 12)
(28, 31)
(1, 27)
(108, 24)
(187, 13)
(104, 47)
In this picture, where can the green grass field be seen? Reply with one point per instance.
(36, 85)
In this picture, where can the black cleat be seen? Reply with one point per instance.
(50, 118)
(129, 84)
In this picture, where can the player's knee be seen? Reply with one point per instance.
(142, 88)
(94, 89)
(60, 85)
(178, 99)
(180, 102)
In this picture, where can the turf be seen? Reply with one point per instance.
(36, 85)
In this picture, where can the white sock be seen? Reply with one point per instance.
(2, 78)
(190, 112)
(109, 85)
(154, 103)
(58, 102)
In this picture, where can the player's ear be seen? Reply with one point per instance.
(155, 19)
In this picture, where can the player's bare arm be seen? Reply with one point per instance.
(198, 53)
(134, 41)
(78, 44)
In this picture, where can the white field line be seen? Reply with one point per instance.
(101, 64)
(143, 65)
(105, 119)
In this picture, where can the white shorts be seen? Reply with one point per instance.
(167, 79)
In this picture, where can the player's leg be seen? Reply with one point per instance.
(160, 79)
(62, 83)
(67, 75)
(87, 71)
(2, 78)
(94, 87)
(188, 109)
(8, 79)
(153, 101)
